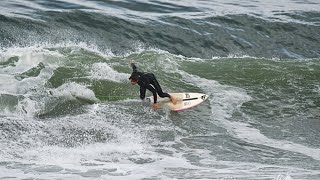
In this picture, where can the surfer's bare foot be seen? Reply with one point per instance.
(173, 100)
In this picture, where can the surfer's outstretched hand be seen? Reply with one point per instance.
(155, 106)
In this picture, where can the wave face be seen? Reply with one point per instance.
(67, 110)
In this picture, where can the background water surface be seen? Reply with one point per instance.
(67, 110)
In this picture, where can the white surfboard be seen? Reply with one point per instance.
(184, 101)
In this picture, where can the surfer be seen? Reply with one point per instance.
(148, 81)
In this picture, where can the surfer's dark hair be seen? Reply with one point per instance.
(134, 76)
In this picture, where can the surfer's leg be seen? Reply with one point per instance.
(161, 93)
(158, 88)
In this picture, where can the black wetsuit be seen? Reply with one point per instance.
(147, 81)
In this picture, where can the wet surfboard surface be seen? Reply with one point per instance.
(184, 101)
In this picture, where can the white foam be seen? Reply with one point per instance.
(30, 173)
(74, 90)
(29, 57)
(129, 144)
(252, 135)
(42, 48)
(104, 71)
(283, 177)
(224, 100)
(8, 84)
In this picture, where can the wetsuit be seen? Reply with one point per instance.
(147, 81)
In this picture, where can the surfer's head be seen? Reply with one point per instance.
(134, 78)
(133, 82)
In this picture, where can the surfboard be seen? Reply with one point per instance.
(184, 101)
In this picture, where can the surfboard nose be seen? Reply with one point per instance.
(204, 97)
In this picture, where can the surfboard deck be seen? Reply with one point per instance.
(184, 101)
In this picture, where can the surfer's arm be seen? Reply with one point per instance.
(142, 92)
(154, 92)
(134, 67)
(150, 88)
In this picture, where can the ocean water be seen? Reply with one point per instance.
(67, 110)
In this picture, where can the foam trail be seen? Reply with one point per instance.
(249, 134)
(224, 100)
